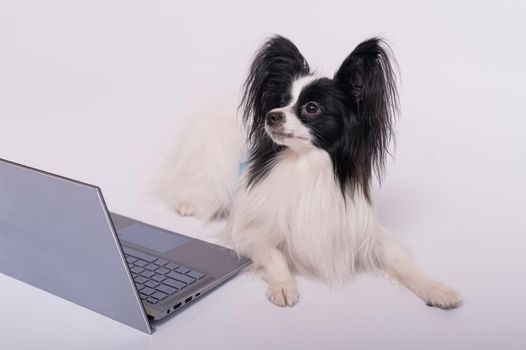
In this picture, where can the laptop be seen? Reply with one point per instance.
(58, 235)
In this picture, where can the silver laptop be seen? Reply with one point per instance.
(57, 234)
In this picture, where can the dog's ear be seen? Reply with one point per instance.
(276, 63)
(367, 78)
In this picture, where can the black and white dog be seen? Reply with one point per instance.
(311, 145)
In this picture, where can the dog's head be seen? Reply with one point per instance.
(349, 115)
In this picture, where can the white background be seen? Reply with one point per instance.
(97, 91)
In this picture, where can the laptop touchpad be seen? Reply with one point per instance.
(151, 237)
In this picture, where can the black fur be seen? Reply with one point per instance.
(276, 64)
(355, 118)
(368, 79)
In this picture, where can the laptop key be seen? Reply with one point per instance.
(137, 269)
(195, 274)
(182, 269)
(151, 267)
(162, 271)
(139, 286)
(159, 295)
(147, 291)
(158, 278)
(143, 296)
(147, 273)
(174, 283)
(171, 266)
(166, 289)
(140, 263)
(160, 262)
(130, 259)
(152, 300)
(140, 279)
(134, 275)
(151, 284)
(180, 277)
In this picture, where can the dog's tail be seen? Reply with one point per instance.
(201, 175)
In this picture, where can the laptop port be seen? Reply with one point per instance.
(177, 306)
(197, 294)
(187, 300)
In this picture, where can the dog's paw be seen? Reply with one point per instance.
(184, 209)
(283, 294)
(438, 295)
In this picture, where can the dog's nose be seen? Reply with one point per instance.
(274, 118)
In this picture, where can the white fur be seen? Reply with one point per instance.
(200, 180)
(299, 208)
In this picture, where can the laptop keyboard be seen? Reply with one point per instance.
(156, 279)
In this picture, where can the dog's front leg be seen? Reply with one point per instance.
(395, 261)
(282, 289)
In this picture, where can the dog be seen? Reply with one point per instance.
(311, 146)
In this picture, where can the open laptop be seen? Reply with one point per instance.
(57, 234)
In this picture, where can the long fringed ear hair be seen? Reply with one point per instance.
(276, 64)
(368, 79)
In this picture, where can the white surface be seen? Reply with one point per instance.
(96, 91)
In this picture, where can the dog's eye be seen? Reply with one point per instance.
(312, 108)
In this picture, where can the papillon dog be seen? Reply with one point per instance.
(309, 147)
